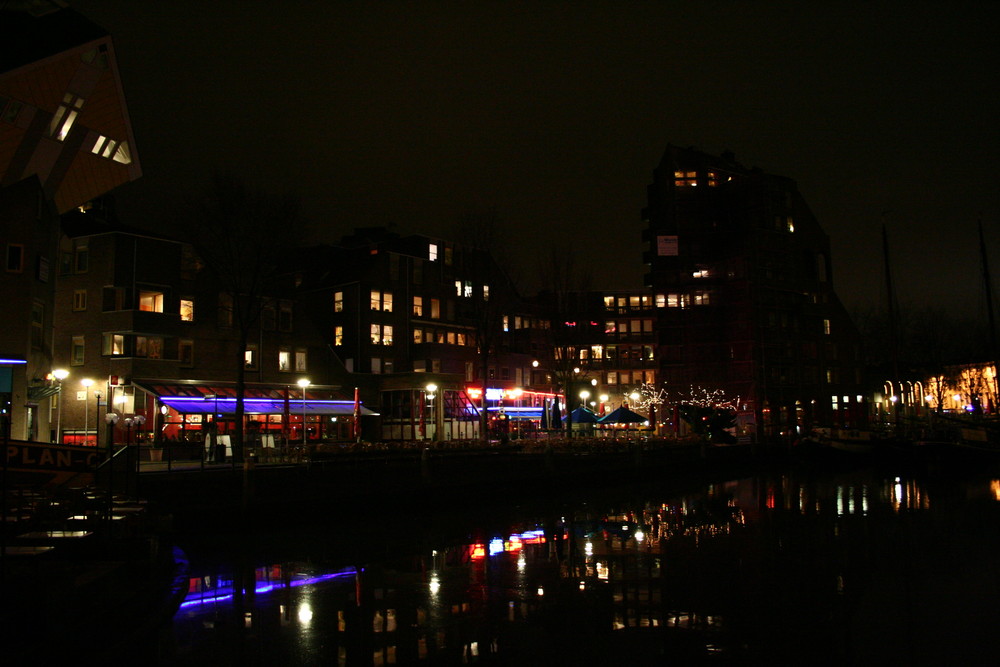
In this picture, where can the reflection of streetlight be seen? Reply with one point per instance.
(304, 382)
(87, 383)
(59, 374)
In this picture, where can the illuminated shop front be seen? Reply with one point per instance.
(186, 412)
(432, 413)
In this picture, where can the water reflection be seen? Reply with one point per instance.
(851, 568)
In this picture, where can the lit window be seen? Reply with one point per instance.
(612, 377)
(458, 288)
(151, 302)
(418, 306)
(790, 224)
(387, 334)
(661, 300)
(685, 178)
(826, 327)
(80, 299)
(338, 336)
(610, 327)
(187, 310)
(609, 303)
(506, 323)
(712, 182)
(376, 300)
(432, 252)
(418, 336)
(673, 301)
(284, 360)
(114, 345)
(250, 358)
(435, 309)
(460, 339)
(486, 292)
(300, 361)
(700, 273)
(65, 116)
(338, 302)
(467, 288)
(702, 298)
(387, 302)
(376, 334)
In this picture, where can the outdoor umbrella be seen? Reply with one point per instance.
(584, 416)
(556, 415)
(622, 416)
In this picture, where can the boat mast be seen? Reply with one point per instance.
(893, 342)
(988, 285)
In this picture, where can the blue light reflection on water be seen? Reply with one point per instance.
(777, 567)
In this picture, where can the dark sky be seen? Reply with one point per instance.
(555, 114)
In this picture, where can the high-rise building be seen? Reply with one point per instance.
(743, 269)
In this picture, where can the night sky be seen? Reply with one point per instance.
(554, 116)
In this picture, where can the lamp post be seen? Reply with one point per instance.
(97, 419)
(86, 382)
(584, 395)
(59, 374)
(304, 382)
(431, 393)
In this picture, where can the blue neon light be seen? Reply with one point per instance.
(224, 593)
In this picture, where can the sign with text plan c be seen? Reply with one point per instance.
(666, 246)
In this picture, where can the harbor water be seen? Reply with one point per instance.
(796, 565)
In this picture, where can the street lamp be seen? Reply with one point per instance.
(431, 389)
(86, 382)
(304, 382)
(59, 374)
(584, 395)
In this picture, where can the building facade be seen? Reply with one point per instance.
(65, 138)
(744, 272)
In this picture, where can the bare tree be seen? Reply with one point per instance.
(242, 235)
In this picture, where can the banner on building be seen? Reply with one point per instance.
(666, 246)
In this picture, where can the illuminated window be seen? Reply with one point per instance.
(609, 303)
(467, 289)
(76, 354)
(150, 347)
(451, 337)
(461, 339)
(80, 299)
(647, 326)
(250, 358)
(712, 182)
(338, 302)
(684, 179)
(151, 302)
(114, 345)
(65, 116)
(185, 352)
(790, 224)
(435, 309)
(610, 327)
(115, 150)
(419, 366)
(284, 360)
(458, 288)
(418, 336)
(612, 377)
(486, 292)
(300, 361)
(376, 333)
(387, 302)
(700, 273)
(702, 298)
(15, 258)
(187, 310)
(338, 336)
(418, 306)
(376, 300)
(826, 327)
(673, 301)
(432, 252)
(387, 334)
(506, 323)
